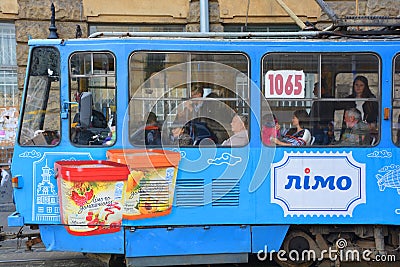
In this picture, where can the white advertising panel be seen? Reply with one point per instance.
(284, 84)
(307, 184)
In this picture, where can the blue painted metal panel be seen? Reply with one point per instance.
(267, 238)
(252, 208)
(37, 199)
(15, 219)
(256, 192)
(46, 42)
(56, 237)
(363, 169)
(187, 240)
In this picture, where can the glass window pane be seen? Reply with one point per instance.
(199, 91)
(41, 114)
(323, 86)
(8, 66)
(396, 102)
(7, 45)
(93, 87)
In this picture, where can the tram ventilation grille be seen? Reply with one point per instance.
(225, 192)
(154, 193)
(189, 192)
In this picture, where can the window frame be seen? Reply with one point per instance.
(396, 101)
(39, 135)
(185, 96)
(106, 134)
(310, 98)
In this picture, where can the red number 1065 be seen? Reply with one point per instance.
(285, 84)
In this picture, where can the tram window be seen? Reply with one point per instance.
(322, 85)
(93, 89)
(167, 85)
(396, 102)
(41, 115)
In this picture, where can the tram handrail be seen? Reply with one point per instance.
(372, 34)
(206, 34)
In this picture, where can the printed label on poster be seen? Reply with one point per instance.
(307, 184)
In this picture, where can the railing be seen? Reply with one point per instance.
(6, 154)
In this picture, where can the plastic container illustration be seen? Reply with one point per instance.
(91, 195)
(151, 182)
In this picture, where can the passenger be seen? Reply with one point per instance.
(356, 132)
(192, 107)
(369, 109)
(322, 115)
(239, 126)
(180, 135)
(298, 135)
(152, 119)
(152, 130)
(270, 129)
(214, 113)
(208, 111)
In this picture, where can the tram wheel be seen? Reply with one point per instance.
(297, 246)
(117, 261)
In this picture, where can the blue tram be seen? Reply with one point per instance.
(85, 99)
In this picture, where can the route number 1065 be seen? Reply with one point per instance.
(284, 84)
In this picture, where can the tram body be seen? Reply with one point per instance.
(229, 202)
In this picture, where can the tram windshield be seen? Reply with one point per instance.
(40, 125)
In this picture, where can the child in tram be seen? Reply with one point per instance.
(298, 135)
(270, 129)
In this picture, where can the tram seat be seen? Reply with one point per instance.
(148, 135)
(90, 125)
(200, 133)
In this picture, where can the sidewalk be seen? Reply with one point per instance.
(14, 252)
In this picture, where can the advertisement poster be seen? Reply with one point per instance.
(8, 125)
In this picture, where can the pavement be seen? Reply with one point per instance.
(13, 250)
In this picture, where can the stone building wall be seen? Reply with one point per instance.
(365, 8)
(34, 21)
(32, 18)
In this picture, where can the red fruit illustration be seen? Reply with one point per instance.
(89, 194)
(78, 199)
(93, 223)
(81, 193)
(110, 208)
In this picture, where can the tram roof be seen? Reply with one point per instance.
(230, 36)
